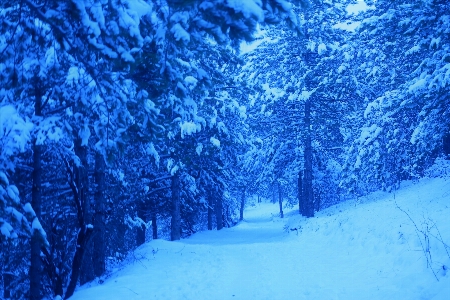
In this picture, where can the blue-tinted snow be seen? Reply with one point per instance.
(360, 249)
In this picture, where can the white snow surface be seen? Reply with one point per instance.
(359, 249)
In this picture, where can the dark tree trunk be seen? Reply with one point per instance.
(78, 183)
(280, 200)
(210, 211)
(87, 264)
(99, 249)
(82, 239)
(35, 261)
(274, 194)
(446, 145)
(59, 285)
(154, 226)
(175, 232)
(82, 180)
(301, 204)
(219, 212)
(53, 272)
(7, 281)
(227, 217)
(316, 203)
(241, 211)
(308, 190)
(140, 234)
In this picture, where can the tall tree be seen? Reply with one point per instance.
(297, 85)
(400, 58)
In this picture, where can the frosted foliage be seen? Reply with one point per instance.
(3, 179)
(440, 168)
(249, 8)
(12, 221)
(152, 152)
(137, 222)
(305, 95)
(180, 34)
(29, 209)
(73, 76)
(174, 170)
(189, 128)
(170, 164)
(149, 106)
(191, 82)
(36, 226)
(6, 229)
(84, 135)
(413, 49)
(418, 85)
(215, 142)
(128, 16)
(273, 92)
(13, 193)
(15, 133)
(199, 148)
(48, 128)
(322, 48)
(401, 61)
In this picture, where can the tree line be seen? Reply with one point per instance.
(340, 113)
(124, 121)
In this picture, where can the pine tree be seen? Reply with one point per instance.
(401, 50)
(297, 87)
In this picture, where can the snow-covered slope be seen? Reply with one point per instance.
(373, 248)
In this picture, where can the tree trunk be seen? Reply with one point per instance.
(317, 203)
(7, 281)
(140, 234)
(280, 200)
(175, 232)
(78, 183)
(227, 217)
(274, 194)
(219, 213)
(82, 179)
(241, 211)
(301, 204)
(53, 272)
(446, 145)
(82, 239)
(308, 190)
(154, 226)
(210, 211)
(99, 249)
(35, 261)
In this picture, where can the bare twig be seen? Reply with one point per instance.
(426, 246)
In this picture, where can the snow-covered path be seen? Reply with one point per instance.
(364, 250)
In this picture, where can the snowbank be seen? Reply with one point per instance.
(384, 246)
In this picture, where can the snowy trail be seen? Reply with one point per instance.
(364, 250)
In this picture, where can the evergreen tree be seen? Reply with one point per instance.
(299, 102)
(401, 50)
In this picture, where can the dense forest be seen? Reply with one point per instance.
(123, 121)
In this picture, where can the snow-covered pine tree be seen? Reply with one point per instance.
(401, 62)
(84, 54)
(302, 88)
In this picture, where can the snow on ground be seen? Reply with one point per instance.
(363, 249)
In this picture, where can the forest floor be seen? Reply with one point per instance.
(383, 246)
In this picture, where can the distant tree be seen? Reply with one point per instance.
(299, 103)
